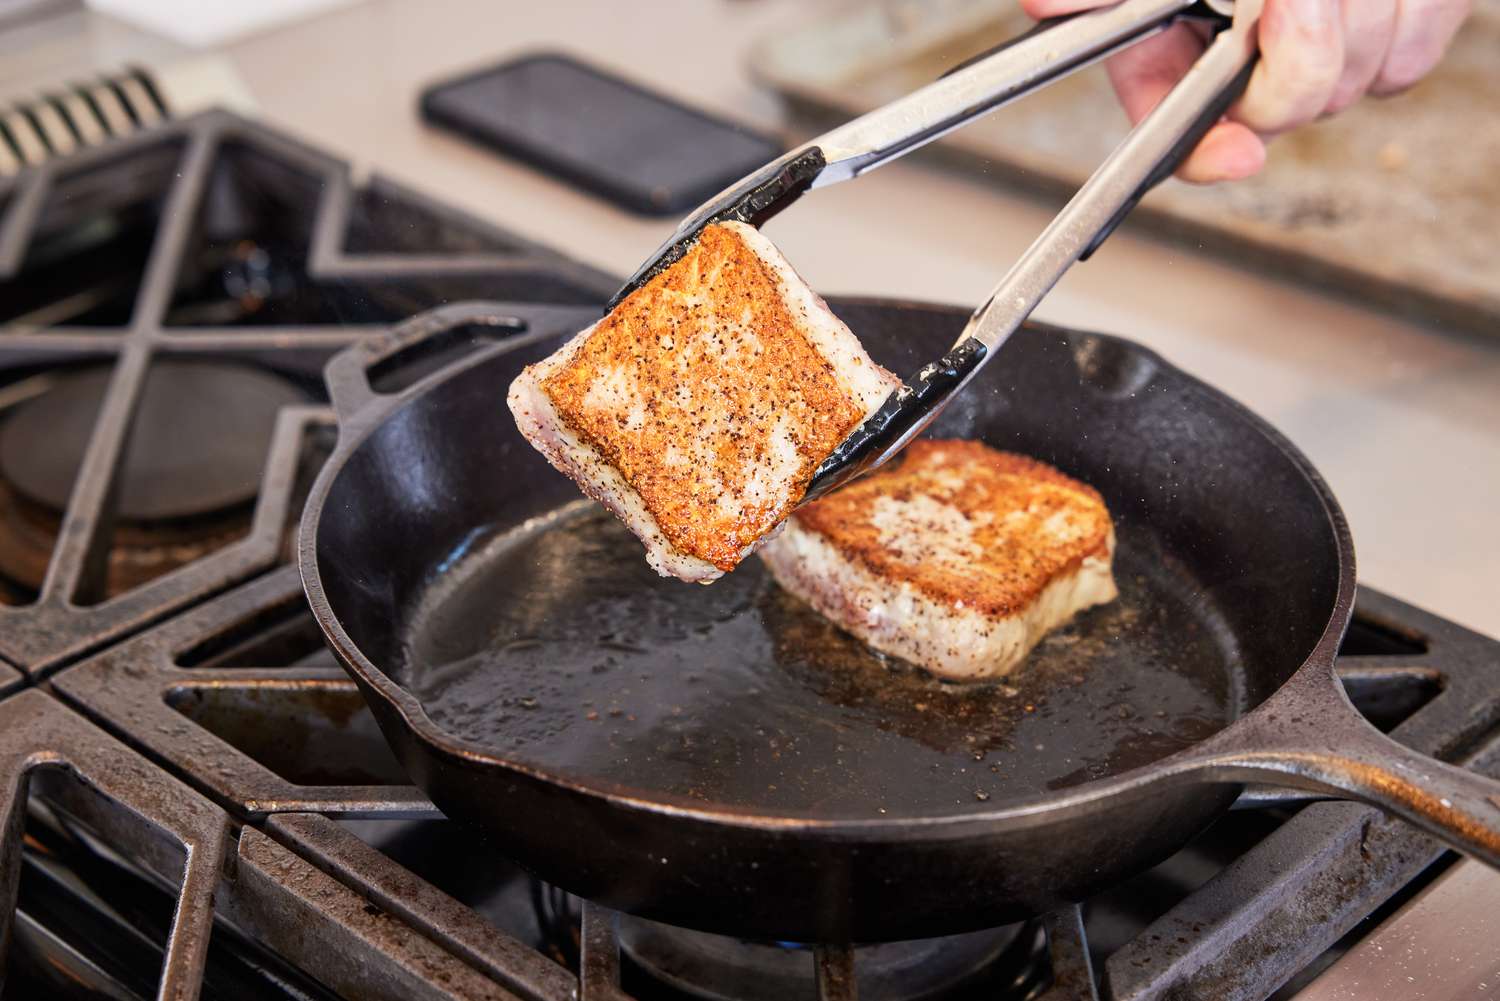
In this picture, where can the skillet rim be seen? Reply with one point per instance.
(363, 423)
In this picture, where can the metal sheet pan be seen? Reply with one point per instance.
(1394, 202)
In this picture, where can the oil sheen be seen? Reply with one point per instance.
(556, 646)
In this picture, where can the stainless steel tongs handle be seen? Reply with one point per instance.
(1051, 51)
(1149, 153)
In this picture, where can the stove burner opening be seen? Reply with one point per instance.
(998, 963)
(187, 482)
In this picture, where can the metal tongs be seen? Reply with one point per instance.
(1053, 49)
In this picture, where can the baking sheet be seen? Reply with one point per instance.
(1395, 202)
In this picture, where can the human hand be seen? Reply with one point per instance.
(1316, 57)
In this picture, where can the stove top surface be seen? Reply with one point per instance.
(207, 801)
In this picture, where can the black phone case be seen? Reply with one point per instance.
(638, 194)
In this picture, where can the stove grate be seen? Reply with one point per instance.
(210, 239)
(201, 728)
(1240, 935)
(232, 885)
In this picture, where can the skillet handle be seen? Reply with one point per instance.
(1314, 739)
(426, 337)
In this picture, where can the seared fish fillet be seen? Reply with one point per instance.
(699, 409)
(955, 556)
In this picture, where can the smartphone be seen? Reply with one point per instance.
(639, 149)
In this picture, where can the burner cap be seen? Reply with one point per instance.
(198, 445)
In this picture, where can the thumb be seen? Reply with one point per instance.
(1039, 9)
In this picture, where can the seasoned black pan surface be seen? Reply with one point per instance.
(723, 758)
(555, 643)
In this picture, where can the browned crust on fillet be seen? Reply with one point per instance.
(673, 333)
(982, 485)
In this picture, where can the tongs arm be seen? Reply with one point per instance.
(1151, 151)
(1052, 50)
(1048, 52)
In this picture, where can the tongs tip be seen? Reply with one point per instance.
(903, 415)
(752, 201)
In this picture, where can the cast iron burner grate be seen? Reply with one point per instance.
(167, 301)
(218, 694)
(212, 753)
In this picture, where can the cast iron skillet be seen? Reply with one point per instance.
(722, 758)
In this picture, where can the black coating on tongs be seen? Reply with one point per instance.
(1054, 48)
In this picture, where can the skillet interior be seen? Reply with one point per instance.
(513, 613)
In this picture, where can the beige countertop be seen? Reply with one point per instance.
(1404, 421)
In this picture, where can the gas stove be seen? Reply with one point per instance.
(199, 802)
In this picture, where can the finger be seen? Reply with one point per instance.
(1369, 27)
(1302, 58)
(1422, 32)
(1039, 9)
(1229, 152)
(1142, 76)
